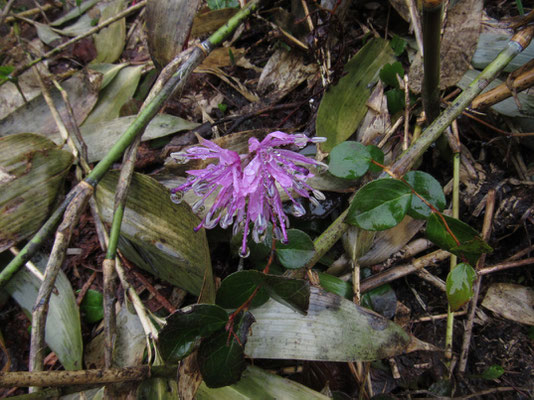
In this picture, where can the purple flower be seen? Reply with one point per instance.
(247, 184)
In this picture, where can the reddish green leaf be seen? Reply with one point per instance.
(460, 285)
(471, 245)
(379, 205)
(236, 289)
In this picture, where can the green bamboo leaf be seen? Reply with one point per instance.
(186, 327)
(92, 306)
(427, 187)
(344, 105)
(220, 358)
(297, 252)
(460, 285)
(63, 332)
(471, 245)
(109, 42)
(32, 170)
(349, 160)
(379, 205)
(159, 234)
(236, 288)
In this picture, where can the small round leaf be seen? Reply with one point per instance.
(460, 285)
(297, 252)
(349, 160)
(236, 289)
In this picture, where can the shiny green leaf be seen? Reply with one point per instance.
(428, 188)
(186, 327)
(221, 359)
(236, 289)
(460, 285)
(297, 252)
(333, 284)
(396, 100)
(471, 245)
(378, 156)
(349, 160)
(379, 205)
(92, 306)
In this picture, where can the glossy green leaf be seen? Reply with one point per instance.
(333, 284)
(460, 285)
(492, 372)
(236, 289)
(389, 72)
(92, 306)
(349, 160)
(221, 358)
(293, 293)
(428, 188)
(378, 156)
(297, 252)
(186, 327)
(471, 245)
(344, 105)
(379, 205)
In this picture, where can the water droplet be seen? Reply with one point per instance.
(270, 190)
(298, 210)
(318, 194)
(314, 201)
(226, 221)
(318, 139)
(198, 206)
(301, 140)
(261, 223)
(177, 197)
(278, 233)
(244, 253)
(201, 188)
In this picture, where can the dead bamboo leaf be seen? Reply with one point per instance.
(32, 170)
(334, 329)
(511, 301)
(161, 232)
(35, 116)
(110, 41)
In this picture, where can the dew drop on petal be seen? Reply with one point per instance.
(226, 221)
(321, 167)
(177, 197)
(198, 206)
(314, 201)
(278, 233)
(318, 139)
(318, 194)
(301, 140)
(298, 210)
(245, 253)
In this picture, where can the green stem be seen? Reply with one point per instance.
(453, 259)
